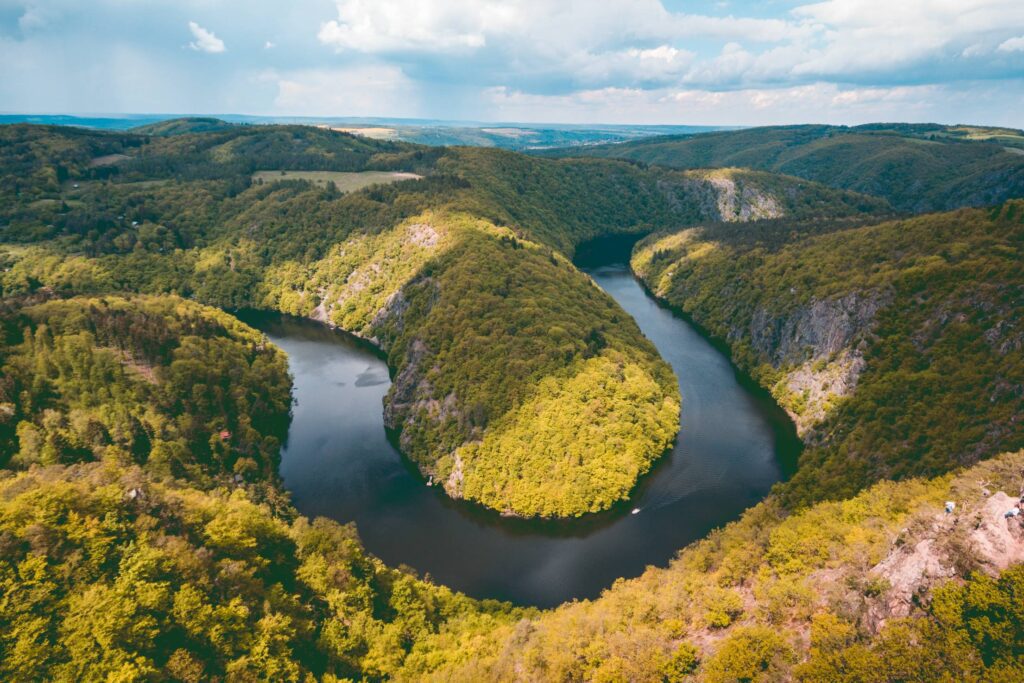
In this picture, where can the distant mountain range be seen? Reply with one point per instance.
(507, 135)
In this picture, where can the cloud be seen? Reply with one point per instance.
(871, 37)
(580, 59)
(427, 25)
(822, 102)
(1012, 45)
(540, 26)
(366, 90)
(205, 41)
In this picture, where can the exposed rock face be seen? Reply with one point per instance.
(984, 534)
(453, 484)
(910, 572)
(745, 203)
(422, 235)
(721, 195)
(819, 330)
(408, 388)
(998, 540)
(815, 384)
(392, 313)
(820, 343)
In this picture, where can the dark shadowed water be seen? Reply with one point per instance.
(339, 463)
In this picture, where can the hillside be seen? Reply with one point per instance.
(194, 124)
(195, 578)
(145, 534)
(916, 168)
(508, 135)
(478, 345)
(870, 336)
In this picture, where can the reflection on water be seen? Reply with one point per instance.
(339, 463)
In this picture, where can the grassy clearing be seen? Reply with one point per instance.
(372, 132)
(344, 181)
(108, 160)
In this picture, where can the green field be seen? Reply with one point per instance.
(344, 181)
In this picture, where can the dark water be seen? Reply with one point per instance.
(339, 463)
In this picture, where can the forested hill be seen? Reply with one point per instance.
(915, 167)
(457, 268)
(871, 336)
(144, 534)
(182, 126)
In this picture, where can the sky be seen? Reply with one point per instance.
(565, 61)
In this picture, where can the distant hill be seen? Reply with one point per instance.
(506, 135)
(196, 124)
(916, 167)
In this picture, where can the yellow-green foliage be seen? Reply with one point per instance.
(356, 279)
(31, 267)
(196, 585)
(941, 353)
(763, 581)
(577, 445)
(153, 380)
(513, 367)
(750, 653)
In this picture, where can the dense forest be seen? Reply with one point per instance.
(916, 168)
(872, 336)
(145, 535)
(460, 277)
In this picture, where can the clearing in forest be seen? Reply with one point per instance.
(344, 181)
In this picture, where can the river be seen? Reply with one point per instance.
(339, 463)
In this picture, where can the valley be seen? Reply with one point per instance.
(338, 463)
(162, 495)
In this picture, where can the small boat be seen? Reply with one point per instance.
(636, 511)
(430, 482)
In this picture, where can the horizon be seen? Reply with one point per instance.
(270, 119)
(647, 63)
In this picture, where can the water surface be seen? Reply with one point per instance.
(339, 463)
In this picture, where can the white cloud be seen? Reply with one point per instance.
(540, 26)
(205, 41)
(627, 43)
(371, 90)
(427, 25)
(1012, 45)
(578, 60)
(860, 37)
(823, 102)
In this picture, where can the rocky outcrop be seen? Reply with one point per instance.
(721, 195)
(982, 537)
(820, 348)
(422, 235)
(391, 314)
(409, 390)
(820, 329)
(809, 391)
(742, 202)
